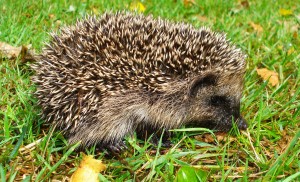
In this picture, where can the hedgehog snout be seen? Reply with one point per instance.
(241, 123)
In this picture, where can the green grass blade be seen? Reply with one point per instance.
(271, 174)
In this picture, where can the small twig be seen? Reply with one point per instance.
(256, 175)
(230, 176)
(252, 147)
(207, 167)
(47, 143)
(176, 145)
(30, 146)
(143, 167)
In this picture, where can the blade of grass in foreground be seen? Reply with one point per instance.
(64, 157)
(272, 173)
(292, 177)
(14, 153)
(2, 173)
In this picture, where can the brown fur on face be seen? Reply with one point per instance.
(106, 77)
(215, 101)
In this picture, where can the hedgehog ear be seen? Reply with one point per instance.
(201, 82)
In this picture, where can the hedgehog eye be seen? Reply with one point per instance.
(219, 100)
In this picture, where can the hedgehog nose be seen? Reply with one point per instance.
(242, 124)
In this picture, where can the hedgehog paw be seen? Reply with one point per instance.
(166, 143)
(117, 147)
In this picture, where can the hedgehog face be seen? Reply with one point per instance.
(215, 102)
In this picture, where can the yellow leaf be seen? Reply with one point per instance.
(188, 2)
(266, 74)
(291, 51)
(51, 16)
(285, 12)
(245, 4)
(295, 35)
(280, 47)
(88, 170)
(137, 6)
(202, 18)
(257, 27)
(95, 10)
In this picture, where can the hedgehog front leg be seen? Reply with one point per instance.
(144, 131)
(165, 142)
(104, 132)
(117, 117)
(114, 137)
(116, 147)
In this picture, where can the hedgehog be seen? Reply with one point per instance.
(111, 75)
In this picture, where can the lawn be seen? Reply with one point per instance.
(269, 150)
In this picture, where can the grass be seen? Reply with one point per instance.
(267, 151)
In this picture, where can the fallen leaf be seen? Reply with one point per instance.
(294, 28)
(291, 26)
(58, 23)
(240, 6)
(245, 4)
(295, 35)
(189, 2)
(201, 18)
(256, 27)
(9, 51)
(267, 145)
(88, 170)
(291, 51)
(280, 47)
(137, 6)
(219, 136)
(285, 12)
(208, 138)
(51, 16)
(95, 11)
(266, 74)
(283, 143)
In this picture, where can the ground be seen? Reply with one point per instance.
(267, 31)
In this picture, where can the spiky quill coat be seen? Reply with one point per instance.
(108, 76)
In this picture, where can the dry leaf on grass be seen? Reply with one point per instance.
(245, 4)
(242, 5)
(295, 35)
(220, 137)
(88, 170)
(189, 2)
(51, 16)
(201, 18)
(207, 138)
(95, 10)
(11, 52)
(285, 12)
(291, 51)
(290, 26)
(256, 27)
(266, 74)
(137, 6)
